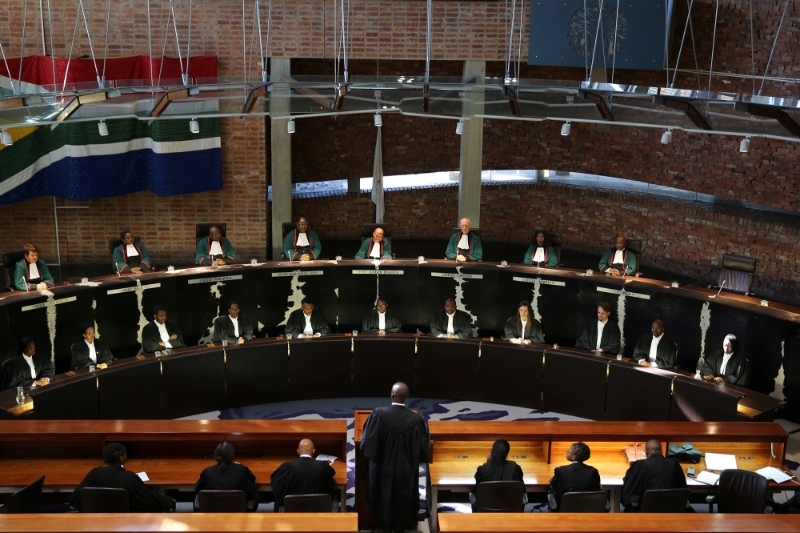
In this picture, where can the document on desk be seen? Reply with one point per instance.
(709, 478)
(770, 472)
(720, 461)
(143, 476)
(329, 458)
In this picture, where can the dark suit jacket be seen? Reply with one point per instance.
(462, 324)
(736, 370)
(223, 329)
(371, 323)
(304, 475)
(234, 476)
(18, 373)
(297, 323)
(142, 499)
(511, 472)
(666, 353)
(574, 477)
(610, 342)
(655, 472)
(534, 335)
(80, 353)
(151, 337)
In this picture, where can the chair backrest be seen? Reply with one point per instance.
(10, 260)
(664, 501)
(741, 491)
(476, 231)
(201, 230)
(104, 500)
(499, 497)
(221, 501)
(584, 502)
(368, 229)
(286, 227)
(737, 273)
(307, 503)
(26, 500)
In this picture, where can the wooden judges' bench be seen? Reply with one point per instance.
(171, 452)
(459, 447)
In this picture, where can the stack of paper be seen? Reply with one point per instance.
(720, 461)
(709, 478)
(329, 458)
(770, 472)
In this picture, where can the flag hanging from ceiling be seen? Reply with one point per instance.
(377, 179)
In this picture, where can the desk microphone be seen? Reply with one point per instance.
(720, 289)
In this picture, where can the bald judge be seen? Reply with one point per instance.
(619, 261)
(376, 247)
(466, 245)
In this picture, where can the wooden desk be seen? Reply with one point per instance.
(618, 523)
(201, 522)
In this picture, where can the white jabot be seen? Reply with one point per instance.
(538, 257)
(619, 258)
(131, 250)
(216, 249)
(34, 270)
(654, 347)
(600, 326)
(725, 358)
(235, 326)
(308, 329)
(524, 324)
(463, 242)
(162, 330)
(29, 360)
(302, 239)
(376, 250)
(450, 328)
(381, 321)
(92, 351)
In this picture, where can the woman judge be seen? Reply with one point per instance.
(31, 273)
(522, 328)
(131, 256)
(540, 255)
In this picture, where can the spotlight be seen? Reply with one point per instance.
(460, 127)
(666, 137)
(5, 137)
(290, 126)
(378, 120)
(565, 129)
(194, 126)
(102, 129)
(744, 146)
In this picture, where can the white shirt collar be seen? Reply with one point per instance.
(29, 360)
(463, 242)
(216, 249)
(131, 250)
(376, 250)
(305, 455)
(400, 404)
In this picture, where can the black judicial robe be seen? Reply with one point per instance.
(18, 373)
(297, 323)
(666, 353)
(80, 353)
(234, 476)
(151, 337)
(511, 471)
(609, 343)
(370, 323)
(534, 334)
(736, 370)
(224, 331)
(655, 472)
(142, 499)
(462, 324)
(395, 440)
(304, 475)
(574, 477)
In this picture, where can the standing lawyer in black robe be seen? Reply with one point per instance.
(233, 328)
(304, 475)
(574, 477)
(609, 340)
(395, 440)
(732, 359)
(441, 322)
(18, 371)
(114, 476)
(666, 350)
(307, 321)
(83, 350)
(161, 333)
(655, 472)
(227, 475)
(372, 322)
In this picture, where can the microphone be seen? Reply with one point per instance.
(720, 289)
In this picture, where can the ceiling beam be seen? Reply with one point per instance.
(599, 101)
(788, 122)
(695, 115)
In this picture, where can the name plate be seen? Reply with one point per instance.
(134, 289)
(214, 280)
(631, 294)
(49, 304)
(455, 275)
(541, 281)
(381, 272)
(297, 273)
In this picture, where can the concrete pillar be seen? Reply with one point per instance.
(280, 153)
(469, 186)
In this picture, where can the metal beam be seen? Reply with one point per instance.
(253, 96)
(688, 107)
(170, 96)
(599, 101)
(788, 122)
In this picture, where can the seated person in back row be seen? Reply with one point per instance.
(131, 256)
(655, 472)
(376, 247)
(497, 468)
(31, 273)
(601, 335)
(161, 333)
(304, 475)
(90, 351)
(450, 322)
(727, 365)
(301, 244)
(380, 320)
(307, 321)
(522, 328)
(540, 255)
(227, 475)
(27, 368)
(574, 477)
(657, 349)
(619, 261)
(214, 250)
(234, 328)
(466, 245)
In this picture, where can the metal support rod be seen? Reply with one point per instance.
(91, 47)
(596, 34)
(149, 43)
(105, 52)
(614, 59)
(428, 41)
(777, 34)
(52, 50)
(41, 22)
(188, 43)
(71, 46)
(683, 40)
(22, 51)
(752, 48)
(177, 40)
(713, 43)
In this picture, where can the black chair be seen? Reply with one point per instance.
(10, 260)
(201, 230)
(112, 245)
(368, 229)
(665, 501)
(737, 273)
(26, 500)
(221, 501)
(740, 491)
(308, 503)
(581, 502)
(104, 500)
(499, 497)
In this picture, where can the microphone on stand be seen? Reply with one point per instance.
(720, 289)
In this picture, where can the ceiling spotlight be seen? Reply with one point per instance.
(290, 126)
(460, 127)
(5, 137)
(194, 126)
(102, 129)
(565, 129)
(666, 137)
(378, 120)
(744, 146)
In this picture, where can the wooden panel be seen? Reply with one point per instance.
(257, 373)
(447, 368)
(575, 384)
(193, 383)
(635, 392)
(511, 374)
(379, 363)
(319, 368)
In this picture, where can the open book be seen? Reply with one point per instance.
(634, 452)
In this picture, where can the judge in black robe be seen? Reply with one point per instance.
(395, 440)
(81, 353)
(666, 351)
(224, 329)
(151, 335)
(371, 322)
(227, 475)
(518, 333)
(576, 476)
(18, 372)
(736, 369)
(655, 472)
(296, 325)
(609, 341)
(114, 476)
(462, 323)
(304, 475)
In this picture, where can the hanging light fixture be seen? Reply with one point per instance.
(744, 146)
(290, 126)
(565, 129)
(378, 120)
(102, 129)
(6, 139)
(194, 126)
(460, 127)
(666, 137)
